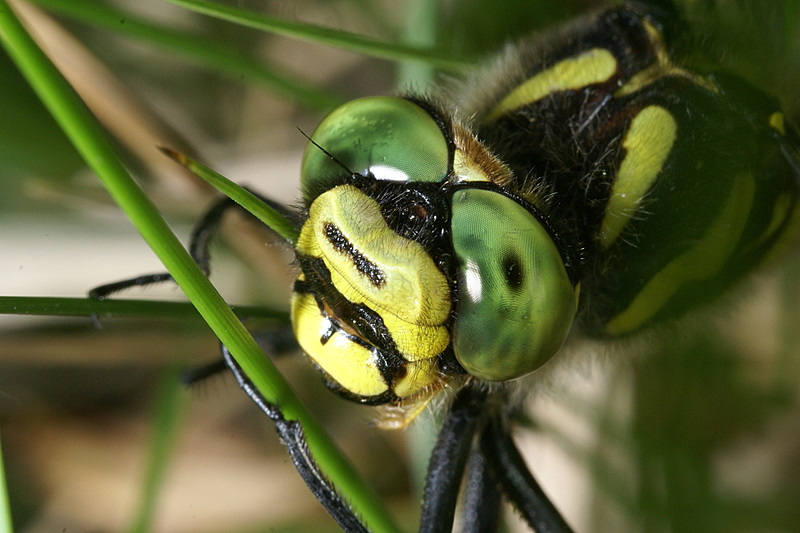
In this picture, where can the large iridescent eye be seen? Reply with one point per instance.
(388, 138)
(515, 301)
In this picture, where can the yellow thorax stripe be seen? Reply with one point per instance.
(647, 144)
(596, 65)
(660, 68)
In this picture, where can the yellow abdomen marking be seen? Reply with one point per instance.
(593, 66)
(705, 259)
(648, 142)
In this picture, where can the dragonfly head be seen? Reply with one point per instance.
(416, 264)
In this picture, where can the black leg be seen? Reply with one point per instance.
(208, 227)
(199, 373)
(482, 496)
(204, 230)
(292, 436)
(202, 233)
(104, 291)
(448, 460)
(516, 479)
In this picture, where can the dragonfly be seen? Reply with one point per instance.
(589, 184)
(600, 189)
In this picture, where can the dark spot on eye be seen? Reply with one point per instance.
(512, 270)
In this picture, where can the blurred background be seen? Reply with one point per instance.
(700, 433)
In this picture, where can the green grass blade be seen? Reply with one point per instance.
(214, 55)
(340, 39)
(170, 401)
(114, 308)
(421, 30)
(253, 204)
(91, 142)
(5, 507)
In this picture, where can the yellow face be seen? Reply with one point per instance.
(356, 332)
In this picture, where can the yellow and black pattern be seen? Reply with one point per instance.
(600, 183)
(669, 183)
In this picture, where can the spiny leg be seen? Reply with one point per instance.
(292, 435)
(482, 496)
(448, 460)
(201, 373)
(278, 341)
(516, 479)
(204, 230)
(202, 233)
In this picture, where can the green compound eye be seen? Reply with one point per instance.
(515, 301)
(391, 138)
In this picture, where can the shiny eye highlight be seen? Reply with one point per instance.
(385, 138)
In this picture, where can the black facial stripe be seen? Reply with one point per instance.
(370, 330)
(373, 273)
